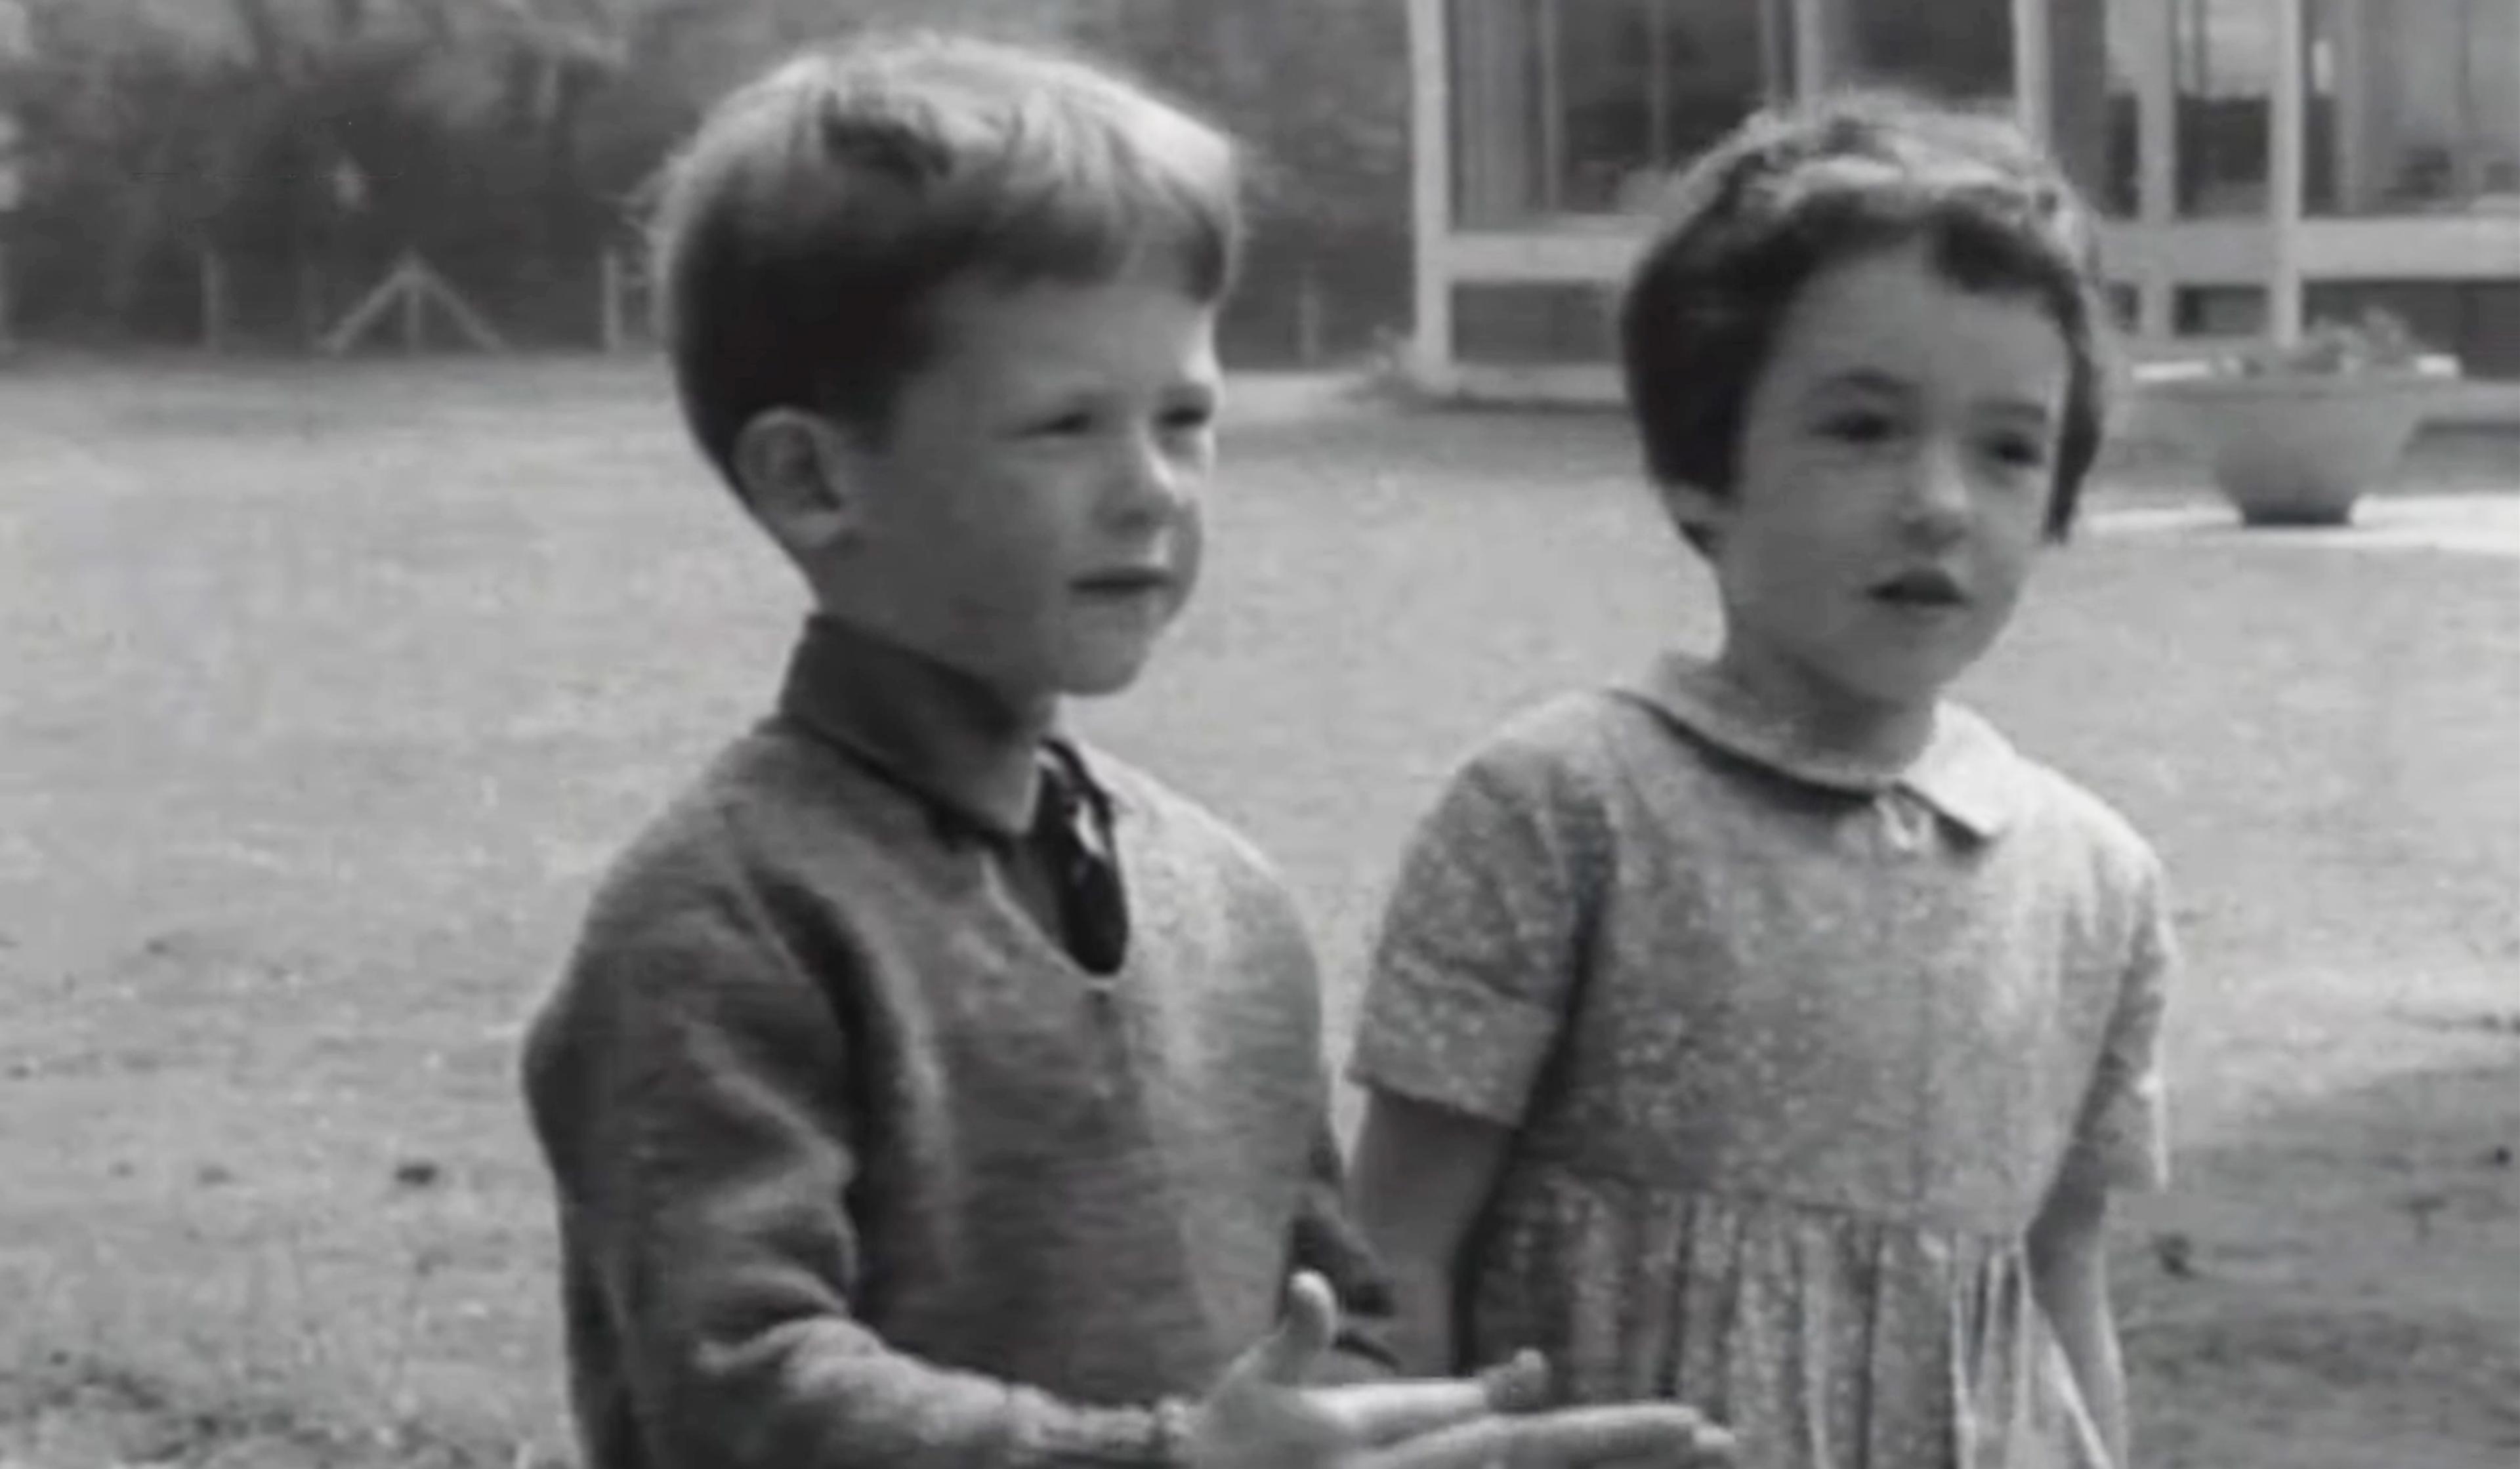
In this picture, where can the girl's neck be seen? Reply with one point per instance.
(1826, 717)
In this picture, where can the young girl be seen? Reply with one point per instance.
(1768, 1033)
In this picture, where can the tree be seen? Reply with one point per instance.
(1318, 90)
(509, 140)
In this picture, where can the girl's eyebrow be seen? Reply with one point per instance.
(2028, 412)
(1860, 380)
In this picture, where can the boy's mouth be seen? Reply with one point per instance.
(1925, 590)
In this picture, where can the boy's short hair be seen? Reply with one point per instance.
(1796, 190)
(801, 236)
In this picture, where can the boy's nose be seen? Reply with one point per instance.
(1148, 481)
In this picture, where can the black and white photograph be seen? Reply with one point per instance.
(1259, 733)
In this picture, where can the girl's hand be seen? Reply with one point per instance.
(1264, 1415)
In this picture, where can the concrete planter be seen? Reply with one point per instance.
(2299, 448)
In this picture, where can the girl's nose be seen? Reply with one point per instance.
(1938, 492)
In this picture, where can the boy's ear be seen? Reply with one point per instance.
(799, 477)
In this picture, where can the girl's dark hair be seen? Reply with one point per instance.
(1795, 191)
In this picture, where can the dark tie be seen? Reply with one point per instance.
(1071, 830)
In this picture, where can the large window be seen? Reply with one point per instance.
(1496, 128)
(2409, 106)
(1959, 49)
(2096, 55)
(1531, 323)
(2476, 321)
(2115, 175)
(2412, 106)
(2223, 65)
(1582, 107)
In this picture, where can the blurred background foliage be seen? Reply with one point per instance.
(290, 151)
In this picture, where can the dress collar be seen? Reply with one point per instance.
(1969, 772)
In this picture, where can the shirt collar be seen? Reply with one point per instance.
(927, 728)
(1969, 772)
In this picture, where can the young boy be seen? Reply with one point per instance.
(927, 1088)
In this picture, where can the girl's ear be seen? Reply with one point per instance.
(1698, 512)
(800, 480)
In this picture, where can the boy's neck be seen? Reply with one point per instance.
(943, 730)
(1011, 721)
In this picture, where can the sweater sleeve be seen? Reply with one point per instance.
(691, 1085)
(1326, 1241)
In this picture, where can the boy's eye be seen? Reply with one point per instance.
(1188, 418)
(1063, 425)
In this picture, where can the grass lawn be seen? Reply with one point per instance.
(325, 692)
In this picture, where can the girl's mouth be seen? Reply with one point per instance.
(1925, 590)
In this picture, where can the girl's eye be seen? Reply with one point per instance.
(2019, 452)
(1188, 418)
(1860, 426)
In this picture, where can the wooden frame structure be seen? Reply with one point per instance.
(2161, 255)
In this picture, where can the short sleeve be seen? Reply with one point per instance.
(2122, 1139)
(1479, 945)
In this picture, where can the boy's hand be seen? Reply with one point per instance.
(1264, 1415)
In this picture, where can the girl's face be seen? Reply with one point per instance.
(1891, 488)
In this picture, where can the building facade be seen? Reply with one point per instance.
(2261, 163)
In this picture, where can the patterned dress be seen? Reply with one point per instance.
(1796, 1048)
